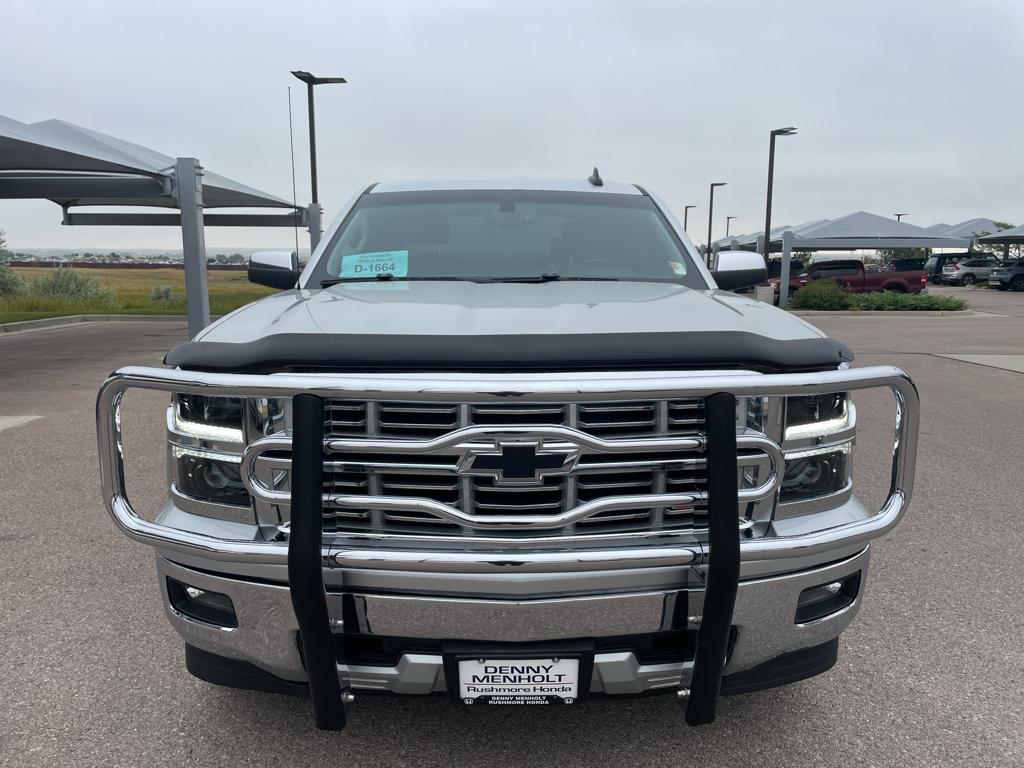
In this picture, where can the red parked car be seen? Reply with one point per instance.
(852, 276)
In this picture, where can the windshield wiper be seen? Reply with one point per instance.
(387, 276)
(545, 277)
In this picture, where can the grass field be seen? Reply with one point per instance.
(131, 290)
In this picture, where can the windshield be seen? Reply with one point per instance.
(497, 235)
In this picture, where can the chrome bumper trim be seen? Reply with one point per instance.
(510, 621)
(419, 673)
(764, 619)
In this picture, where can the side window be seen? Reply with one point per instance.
(828, 272)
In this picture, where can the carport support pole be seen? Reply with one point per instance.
(787, 252)
(189, 187)
(314, 215)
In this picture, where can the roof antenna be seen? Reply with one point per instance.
(595, 178)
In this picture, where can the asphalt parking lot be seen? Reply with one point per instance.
(931, 674)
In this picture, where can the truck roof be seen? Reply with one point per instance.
(555, 185)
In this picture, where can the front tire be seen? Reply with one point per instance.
(967, 280)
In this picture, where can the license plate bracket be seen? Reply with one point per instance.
(529, 673)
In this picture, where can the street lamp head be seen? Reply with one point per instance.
(310, 79)
(784, 131)
(900, 215)
(718, 184)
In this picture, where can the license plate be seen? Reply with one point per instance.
(519, 681)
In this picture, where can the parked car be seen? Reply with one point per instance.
(853, 277)
(933, 267)
(968, 271)
(486, 445)
(1008, 275)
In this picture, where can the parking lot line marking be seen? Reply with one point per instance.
(1014, 363)
(6, 422)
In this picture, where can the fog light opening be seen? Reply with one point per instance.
(824, 600)
(201, 604)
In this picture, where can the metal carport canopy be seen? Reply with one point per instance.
(74, 166)
(1012, 236)
(863, 230)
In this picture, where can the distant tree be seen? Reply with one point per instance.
(999, 251)
(4, 253)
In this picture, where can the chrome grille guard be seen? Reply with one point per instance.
(524, 388)
(305, 554)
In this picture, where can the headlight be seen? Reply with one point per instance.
(206, 438)
(816, 415)
(211, 418)
(816, 472)
(212, 477)
(818, 435)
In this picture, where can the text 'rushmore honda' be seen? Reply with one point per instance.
(508, 442)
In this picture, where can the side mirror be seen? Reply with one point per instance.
(278, 269)
(735, 270)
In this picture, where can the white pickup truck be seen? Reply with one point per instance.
(514, 443)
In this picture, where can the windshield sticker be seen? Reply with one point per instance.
(678, 267)
(395, 263)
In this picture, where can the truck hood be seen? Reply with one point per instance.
(502, 327)
(496, 309)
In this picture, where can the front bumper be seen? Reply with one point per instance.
(763, 622)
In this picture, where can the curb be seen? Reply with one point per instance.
(883, 313)
(57, 322)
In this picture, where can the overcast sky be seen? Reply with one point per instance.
(896, 102)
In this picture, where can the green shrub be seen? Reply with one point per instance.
(160, 293)
(821, 295)
(886, 301)
(68, 283)
(826, 295)
(11, 283)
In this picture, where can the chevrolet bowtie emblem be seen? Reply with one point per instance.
(518, 462)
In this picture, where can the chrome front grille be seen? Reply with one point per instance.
(418, 420)
(437, 477)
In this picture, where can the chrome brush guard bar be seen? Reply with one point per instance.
(521, 388)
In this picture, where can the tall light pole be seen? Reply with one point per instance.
(728, 221)
(686, 214)
(899, 216)
(771, 178)
(711, 211)
(310, 81)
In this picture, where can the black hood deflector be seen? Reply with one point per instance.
(505, 353)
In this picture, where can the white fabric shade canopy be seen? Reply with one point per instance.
(71, 165)
(1011, 236)
(863, 230)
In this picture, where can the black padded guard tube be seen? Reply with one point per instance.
(305, 575)
(511, 352)
(723, 574)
